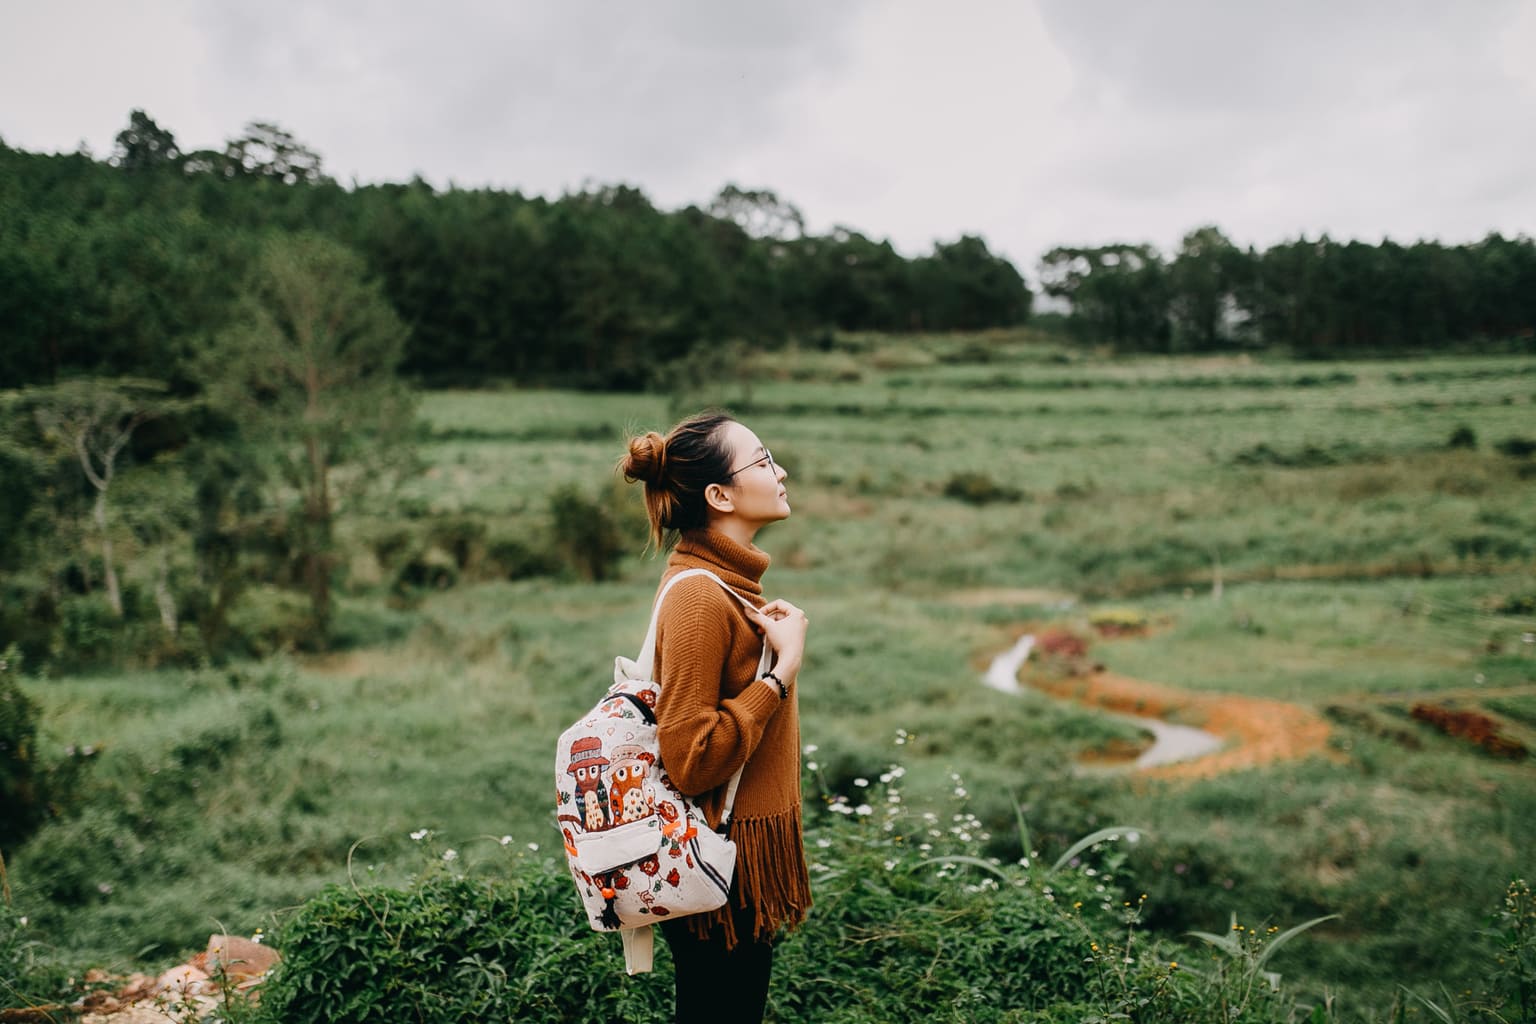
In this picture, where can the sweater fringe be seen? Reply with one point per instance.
(771, 878)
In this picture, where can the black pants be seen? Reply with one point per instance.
(716, 985)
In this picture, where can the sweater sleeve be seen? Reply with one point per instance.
(704, 737)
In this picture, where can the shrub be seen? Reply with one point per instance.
(448, 948)
(1060, 652)
(1516, 604)
(1308, 456)
(1112, 622)
(1517, 447)
(911, 922)
(516, 558)
(21, 803)
(586, 533)
(268, 620)
(463, 539)
(1462, 437)
(1514, 974)
(979, 489)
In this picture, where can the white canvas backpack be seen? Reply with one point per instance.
(639, 849)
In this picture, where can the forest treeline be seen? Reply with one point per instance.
(1311, 298)
(128, 265)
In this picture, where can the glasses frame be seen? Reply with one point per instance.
(767, 457)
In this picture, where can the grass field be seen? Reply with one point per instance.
(1306, 532)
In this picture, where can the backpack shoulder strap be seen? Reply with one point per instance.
(647, 662)
(647, 659)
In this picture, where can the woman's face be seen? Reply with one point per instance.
(757, 482)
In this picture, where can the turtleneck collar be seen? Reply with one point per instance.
(740, 566)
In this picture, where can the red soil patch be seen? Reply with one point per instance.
(1258, 730)
(1477, 729)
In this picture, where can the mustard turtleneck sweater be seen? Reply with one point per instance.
(715, 713)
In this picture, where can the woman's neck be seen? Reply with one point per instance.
(740, 532)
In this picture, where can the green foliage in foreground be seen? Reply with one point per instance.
(900, 932)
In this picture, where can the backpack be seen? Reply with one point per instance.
(638, 848)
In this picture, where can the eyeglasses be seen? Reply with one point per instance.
(767, 457)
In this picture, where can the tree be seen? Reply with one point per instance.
(267, 151)
(963, 286)
(144, 145)
(1119, 293)
(1204, 281)
(759, 212)
(309, 373)
(94, 420)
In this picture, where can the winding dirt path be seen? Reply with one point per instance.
(1258, 731)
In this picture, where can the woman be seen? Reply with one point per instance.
(710, 485)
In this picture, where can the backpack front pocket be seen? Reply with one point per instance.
(600, 852)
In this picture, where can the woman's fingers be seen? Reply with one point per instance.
(782, 609)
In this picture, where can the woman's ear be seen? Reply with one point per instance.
(718, 498)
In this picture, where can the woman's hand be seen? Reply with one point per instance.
(783, 627)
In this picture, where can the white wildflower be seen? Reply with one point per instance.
(449, 856)
(420, 834)
(505, 840)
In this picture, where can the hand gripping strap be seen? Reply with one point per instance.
(647, 662)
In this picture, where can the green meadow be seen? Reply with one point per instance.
(1354, 537)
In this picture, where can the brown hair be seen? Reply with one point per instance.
(676, 469)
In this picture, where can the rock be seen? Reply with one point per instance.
(99, 1002)
(238, 957)
(137, 986)
(185, 980)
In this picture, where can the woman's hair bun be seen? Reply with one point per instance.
(647, 457)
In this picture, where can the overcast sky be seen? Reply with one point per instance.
(1030, 122)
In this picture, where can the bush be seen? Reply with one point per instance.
(1462, 437)
(517, 558)
(911, 922)
(449, 947)
(268, 620)
(21, 804)
(1517, 447)
(586, 533)
(979, 489)
(31, 790)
